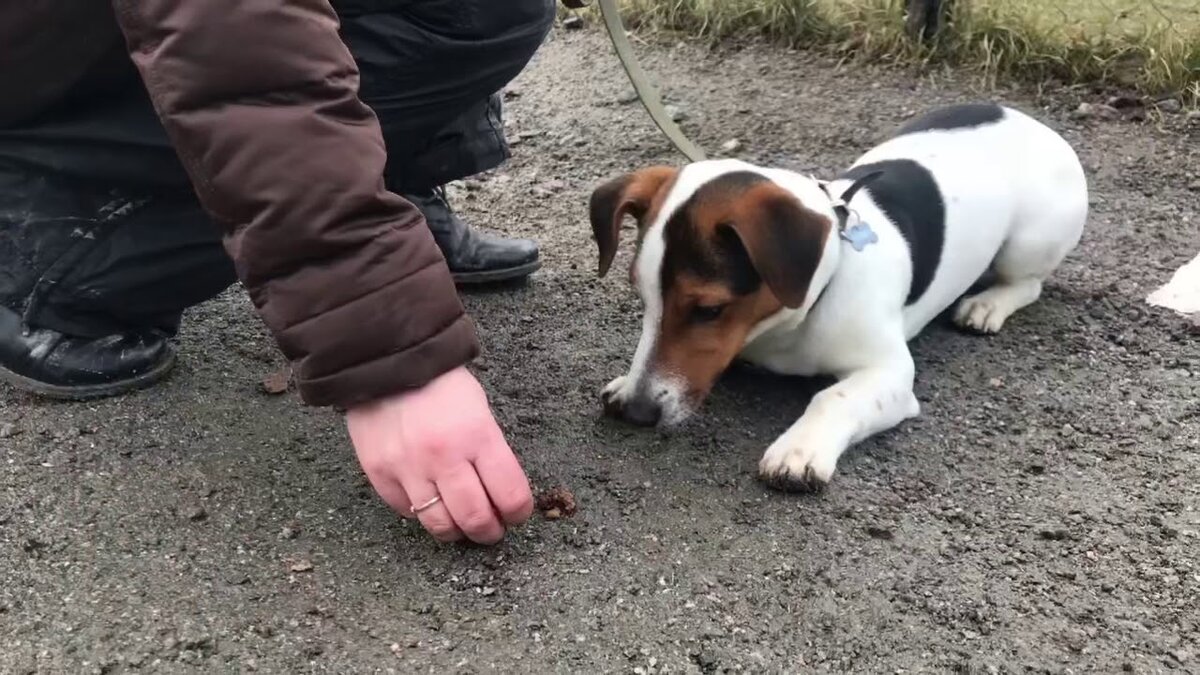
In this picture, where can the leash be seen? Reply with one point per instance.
(646, 92)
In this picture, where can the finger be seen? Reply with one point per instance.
(392, 494)
(468, 503)
(506, 484)
(435, 519)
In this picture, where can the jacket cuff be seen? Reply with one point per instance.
(405, 370)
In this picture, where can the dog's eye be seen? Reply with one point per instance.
(706, 313)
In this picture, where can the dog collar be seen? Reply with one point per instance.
(860, 235)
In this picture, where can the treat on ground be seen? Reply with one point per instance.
(558, 502)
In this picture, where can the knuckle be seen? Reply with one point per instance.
(439, 526)
(478, 522)
(516, 504)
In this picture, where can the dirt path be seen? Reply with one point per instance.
(1042, 515)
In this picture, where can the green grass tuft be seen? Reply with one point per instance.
(1150, 46)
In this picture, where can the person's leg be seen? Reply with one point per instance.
(93, 282)
(432, 72)
(103, 245)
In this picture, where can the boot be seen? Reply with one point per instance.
(474, 257)
(55, 365)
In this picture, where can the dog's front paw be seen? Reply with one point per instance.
(613, 395)
(794, 464)
(980, 314)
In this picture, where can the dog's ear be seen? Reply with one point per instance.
(630, 194)
(783, 239)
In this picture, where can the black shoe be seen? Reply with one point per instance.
(54, 365)
(474, 257)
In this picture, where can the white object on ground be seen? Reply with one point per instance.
(1182, 292)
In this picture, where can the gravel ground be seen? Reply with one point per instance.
(1042, 515)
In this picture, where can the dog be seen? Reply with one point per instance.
(810, 277)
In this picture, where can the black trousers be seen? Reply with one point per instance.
(100, 231)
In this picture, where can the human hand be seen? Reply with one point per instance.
(442, 442)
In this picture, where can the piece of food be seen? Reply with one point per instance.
(558, 502)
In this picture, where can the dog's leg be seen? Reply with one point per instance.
(986, 312)
(862, 404)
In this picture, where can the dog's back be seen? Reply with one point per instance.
(971, 188)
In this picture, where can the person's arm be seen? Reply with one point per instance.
(260, 100)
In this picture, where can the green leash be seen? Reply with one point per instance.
(646, 92)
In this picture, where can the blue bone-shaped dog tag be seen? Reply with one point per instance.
(860, 235)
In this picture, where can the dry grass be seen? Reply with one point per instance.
(1152, 46)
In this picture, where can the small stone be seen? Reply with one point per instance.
(676, 113)
(277, 383)
(1054, 534)
(573, 22)
(876, 532)
(289, 532)
(1181, 655)
(1067, 430)
(195, 513)
(996, 382)
(732, 145)
(8, 430)
(1194, 186)
(31, 545)
(1123, 102)
(301, 566)
(396, 648)
(1170, 106)
(488, 591)
(627, 98)
(1084, 111)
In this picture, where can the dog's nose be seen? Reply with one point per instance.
(642, 412)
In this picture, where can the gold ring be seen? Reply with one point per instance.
(417, 509)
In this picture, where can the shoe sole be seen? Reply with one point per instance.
(496, 276)
(91, 391)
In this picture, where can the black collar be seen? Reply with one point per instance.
(841, 203)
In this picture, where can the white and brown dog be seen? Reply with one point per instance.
(807, 277)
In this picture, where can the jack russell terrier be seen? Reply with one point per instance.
(809, 277)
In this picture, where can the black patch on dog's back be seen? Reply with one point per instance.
(949, 118)
(908, 195)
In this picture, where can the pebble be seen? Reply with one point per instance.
(676, 113)
(883, 533)
(288, 532)
(1194, 186)
(1054, 534)
(1170, 105)
(301, 566)
(8, 430)
(195, 513)
(574, 22)
(1088, 111)
(731, 145)
(627, 98)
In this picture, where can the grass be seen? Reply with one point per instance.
(1150, 46)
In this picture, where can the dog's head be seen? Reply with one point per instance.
(724, 250)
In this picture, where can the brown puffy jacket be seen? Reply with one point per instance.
(260, 101)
